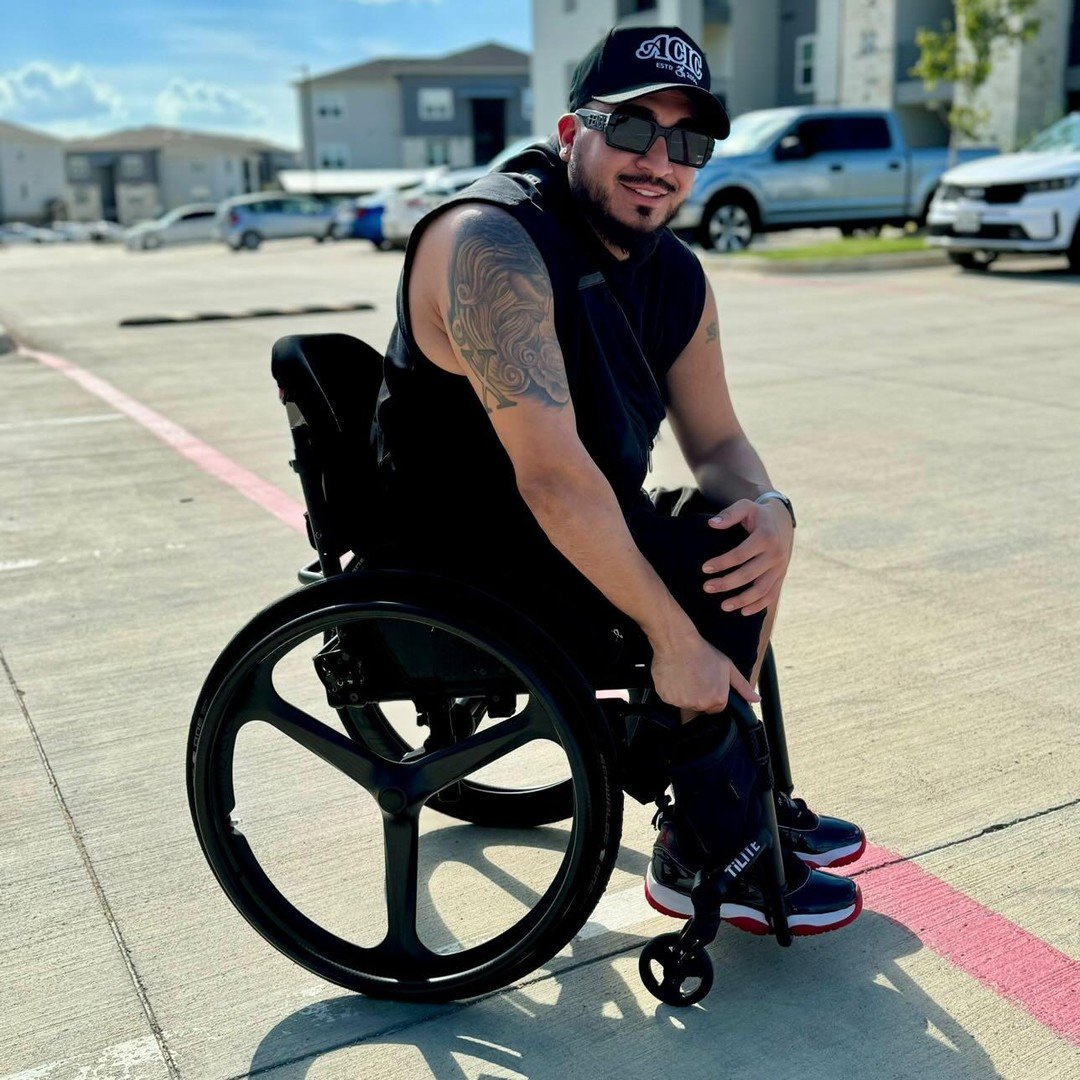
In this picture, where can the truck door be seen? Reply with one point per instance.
(805, 180)
(875, 170)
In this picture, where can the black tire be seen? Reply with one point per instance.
(678, 984)
(239, 690)
(729, 223)
(973, 260)
(250, 240)
(151, 242)
(1073, 254)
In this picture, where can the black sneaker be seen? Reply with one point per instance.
(817, 902)
(817, 840)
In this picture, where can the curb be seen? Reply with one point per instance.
(901, 260)
(7, 342)
(247, 313)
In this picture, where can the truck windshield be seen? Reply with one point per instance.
(1064, 135)
(754, 131)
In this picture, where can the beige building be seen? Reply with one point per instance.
(140, 173)
(31, 174)
(768, 53)
(405, 112)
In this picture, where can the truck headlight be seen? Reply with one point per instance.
(1057, 184)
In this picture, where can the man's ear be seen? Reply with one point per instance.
(567, 132)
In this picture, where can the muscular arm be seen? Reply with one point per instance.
(703, 419)
(485, 287)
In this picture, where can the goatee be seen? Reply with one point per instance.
(595, 205)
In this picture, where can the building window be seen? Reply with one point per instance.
(333, 156)
(329, 106)
(868, 43)
(79, 168)
(527, 104)
(435, 103)
(805, 47)
(198, 166)
(438, 151)
(131, 166)
(569, 5)
(24, 191)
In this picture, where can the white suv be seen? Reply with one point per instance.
(1026, 203)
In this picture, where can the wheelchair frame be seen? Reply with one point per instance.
(319, 376)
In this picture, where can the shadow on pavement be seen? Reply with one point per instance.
(835, 1006)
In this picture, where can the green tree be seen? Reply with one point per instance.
(961, 52)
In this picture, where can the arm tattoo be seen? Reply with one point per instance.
(712, 331)
(501, 314)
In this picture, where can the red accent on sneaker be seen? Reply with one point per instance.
(807, 931)
(660, 907)
(845, 860)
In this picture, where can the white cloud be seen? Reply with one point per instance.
(205, 103)
(40, 93)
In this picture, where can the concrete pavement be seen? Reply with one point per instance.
(925, 422)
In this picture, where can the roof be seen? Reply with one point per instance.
(491, 58)
(18, 133)
(157, 138)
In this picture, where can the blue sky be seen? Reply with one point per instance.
(219, 65)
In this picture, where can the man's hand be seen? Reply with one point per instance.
(760, 561)
(693, 675)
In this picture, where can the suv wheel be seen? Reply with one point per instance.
(973, 260)
(250, 240)
(728, 224)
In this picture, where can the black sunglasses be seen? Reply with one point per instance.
(636, 134)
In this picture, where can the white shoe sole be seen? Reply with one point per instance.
(679, 906)
(837, 857)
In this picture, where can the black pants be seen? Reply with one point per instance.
(670, 528)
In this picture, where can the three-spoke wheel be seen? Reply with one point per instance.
(331, 730)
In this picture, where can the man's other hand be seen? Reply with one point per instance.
(759, 562)
(693, 675)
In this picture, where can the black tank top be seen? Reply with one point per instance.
(620, 326)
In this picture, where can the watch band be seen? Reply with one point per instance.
(765, 496)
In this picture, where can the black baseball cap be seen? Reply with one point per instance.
(636, 60)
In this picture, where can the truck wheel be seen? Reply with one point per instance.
(728, 223)
(1073, 254)
(973, 260)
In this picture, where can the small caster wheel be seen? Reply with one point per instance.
(681, 982)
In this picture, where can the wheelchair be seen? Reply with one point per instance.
(422, 697)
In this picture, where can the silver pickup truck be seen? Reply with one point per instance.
(796, 167)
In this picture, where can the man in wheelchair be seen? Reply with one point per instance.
(547, 322)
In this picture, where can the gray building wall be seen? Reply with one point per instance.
(797, 18)
(31, 174)
(465, 88)
(370, 125)
(755, 46)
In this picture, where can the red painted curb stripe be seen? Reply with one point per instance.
(211, 461)
(998, 953)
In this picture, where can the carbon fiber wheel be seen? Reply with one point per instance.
(329, 843)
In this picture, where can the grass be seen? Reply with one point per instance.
(848, 248)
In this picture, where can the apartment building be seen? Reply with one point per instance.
(31, 174)
(768, 53)
(411, 112)
(139, 173)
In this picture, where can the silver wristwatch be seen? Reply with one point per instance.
(765, 496)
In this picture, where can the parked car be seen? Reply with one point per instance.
(247, 220)
(405, 208)
(18, 232)
(796, 167)
(361, 218)
(1027, 202)
(184, 225)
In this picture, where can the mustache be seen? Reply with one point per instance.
(654, 181)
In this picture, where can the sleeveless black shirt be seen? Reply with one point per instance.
(620, 327)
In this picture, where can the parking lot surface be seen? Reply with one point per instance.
(924, 422)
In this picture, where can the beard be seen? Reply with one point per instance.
(595, 204)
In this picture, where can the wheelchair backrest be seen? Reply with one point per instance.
(330, 383)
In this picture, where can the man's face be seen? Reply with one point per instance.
(627, 196)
